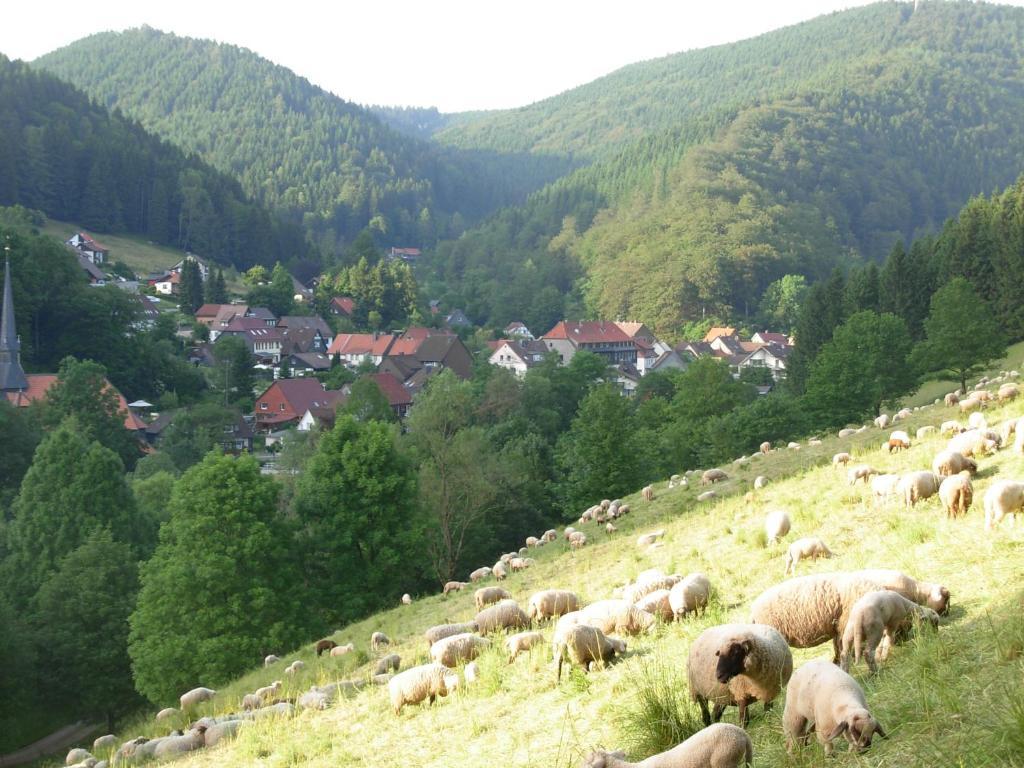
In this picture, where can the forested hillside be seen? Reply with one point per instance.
(331, 165)
(65, 156)
(718, 171)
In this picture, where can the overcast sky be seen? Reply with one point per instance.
(453, 54)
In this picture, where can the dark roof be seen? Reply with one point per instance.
(392, 389)
(294, 322)
(314, 360)
(262, 313)
(160, 423)
(94, 272)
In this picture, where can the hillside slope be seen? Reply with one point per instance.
(954, 696)
(330, 164)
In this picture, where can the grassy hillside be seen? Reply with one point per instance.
(950, 699)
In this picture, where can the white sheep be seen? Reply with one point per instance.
(657, 604)
(878, 615)
(105, 743)
(269, 660)
(457, 586)
(489, 595)
(296, 666)
(917, 486)
(707, 496)
(712, 476)
(196, 696)
(765, 448)
(552, 603)
(268, 692)
(776, 525)
(1004, 498)
(441, 631)
(453, 650)
(647, 493)
(522, 641)
(585, 646)
(77, 755)
(479, 574)
(882, 421)
(609, 528)
(721, 745)
(860, 472)
(166, 713)
(646, 539)
(690, 595)
(807, 548)
(389, 663)
(823, 698)
(406, 599)
(633, 593)
(760, 482)
(947, 463)
(504, 615)
(847, 432)
(427, 681)
(957, 494)
(736, 664)
(841, 459)
(219, 731)
(341, 650)
(616, 616)
(925, 431)
(499, 570)
(178, 745)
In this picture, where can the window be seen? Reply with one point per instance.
(281, 407)
(263, 406)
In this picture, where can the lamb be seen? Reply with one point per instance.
(824, 698)
(657, 604)
(523, 641)
(934, 596)
(860, 472)
(712, 476)
(760, 482)
(689, 595)
(77, 755)
(458, 648)
(721, 745)
(166, 713)
(841, 458)
(552, 603)
(107, 742)
(646, 539)
(808, 548)
(455, 586)
(609, 528)
(271, 659)
(178, 745)
(648, 493)
(617, 617)
(916, 486)
(956, 494)
(406, 599)
(268, 692)
(488, 595)
(585, 645)
(877, 615)
(389, 663)
(948, 463)
(776, 525)
(500, 571)
(480, 574)
(882, 421)
(427, 681)
(577, 540)
(295, 667)
(736, 664)
(504, 615)
(324, 645)
(447, 630)
(196, 696)
(925, 431)
(898, 441)
(341, 650)
(1003, 498)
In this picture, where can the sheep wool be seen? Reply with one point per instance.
(442, 631)
(489, 595)
(879, 615)
(167, 712)
(504, 615)
(585, 646)
(77, 755)
(776, 525)
(690, 595)
(808, 548)
(1004, 498)
(957, 494)
(657, 604)
(721, 745)
(917, 486)
(452, 651)
(107, 742)
(427, 681)
(948, 463)
(523, 641)
(617, 617)
(389, 663)
(552, 603)
(341, 650)
(196, 696)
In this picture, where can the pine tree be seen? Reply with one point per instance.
(190, 290)
(216, 288)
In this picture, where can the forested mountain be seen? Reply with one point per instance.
(329, 164)
(718, 171)
(64, 155)
(421, 122)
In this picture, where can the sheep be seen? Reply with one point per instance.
(219, 731)
(500, 571)
(951, 399)
(793, 446)
(977, 420)
(657, 604)
(324, 645)
(847, 432)
(760, 482)
(609, 528)
(883, 486)
(824, 698)
(406, 599)
(1007, 429)
(674, 481)
(689, 595)
(250, 702)
(634, 592)
(1003, 498)
(341, 650)
(456, 586)
(948, 463)
(268, 692)
(617, 617)
(877, 615)
(269, 660)
(646, 539)
(522, 641)
(569, 531)
(177, 745)
(971, 443)
(647, 493)
(77, 755)
(532, 541)
(283, 708)
(196, 696)
(957, 494)
(901, 414)
(624, 509)
(814, 442)
(925, 431)
(1007, 392)
(932, 595)
(389, 663)
(712, 476)
(776, 525)
(551, 603)
(841, 459)
(950, 428)
(427, 681)
(480, 574)
(585, 645)
(971, 404)
(126, 752)
(860, 472)
(765, 448)
(441, 631)
(577, 540)
(549, 535)
(915, 486)
(472, 672)
(504, 615)
(458, 648)
(104, 743)
(808, 548)
(517, 564)
(736, 664)
(898, 441)
(167, 713)
(882, 421)
(707, 496)
(489, 595)
(721, 745)
(295, 667)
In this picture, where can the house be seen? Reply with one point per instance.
(764, 350)
(657, 357)
(322, 416)
(598, 336)
(457, 318)
(767, 337)
(408, 255)
(154, 430)
(307, 363)
(148, 311)
(263, 314)
(301, 294)
(715, 331)
(303, 340)
(399, 398)
(770, 356)
(38, 384)
(93, 273)
(627, 378)
(518, 355)
(167, 284)
(204, 268)
(219, 314)
(287, 400)
(518, 330)
(353, 348)
(237, 437)
(84, 245)
(264, 342)
(294, 322)
(342, 306)
(433, 351)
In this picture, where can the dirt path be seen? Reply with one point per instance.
(56, 742)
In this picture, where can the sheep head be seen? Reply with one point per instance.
(732, 660)
(938, 599)
(859, 728)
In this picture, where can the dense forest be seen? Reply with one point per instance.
(65, 156)
(330, 165)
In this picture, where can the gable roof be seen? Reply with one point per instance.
(375, 345)
(392, 388)
(715, 331)
(94, 272)
(770, 337)
(301, 395)
(39, 384)
(587, 332)
(313, 322)
(345, 304)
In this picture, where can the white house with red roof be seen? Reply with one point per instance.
(88, 248)
(601, 337)
(517, 355)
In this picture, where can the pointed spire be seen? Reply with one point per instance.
(12, 377)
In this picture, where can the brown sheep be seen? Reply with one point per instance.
(324, 645)
(957, 494)
(648, 493)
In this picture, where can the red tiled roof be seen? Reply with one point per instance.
(392, 389)
(361, 344)
(91, 243)
(587, 332)
(774, 338)
(345, 303)
(239, 323)
(39, 384)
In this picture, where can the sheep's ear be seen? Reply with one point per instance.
(718, 652)
(838, 731)
(748, 645)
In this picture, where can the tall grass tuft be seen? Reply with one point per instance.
(658, 715)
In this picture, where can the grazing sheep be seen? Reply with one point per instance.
(690, 595)
(841, 459)
(295, 667)
(341, 650)
(1004, 498)
(196, 696)
(167, 713)
(925, 431)
(442, 631)
(389, 663)
(647, 493)
(107, 742)
(934, 596)
(776, 525)
(882, 421)
(760, 482)
(972, 443)
(808, 548)
(823, 698)
(500, 571)
(950, 428)
(916, 486)
(549, 535)
(951, 399)
(406, 599)
(765, 448)
(877, 615)
(847, 432)
(489, 595)
(77, 755)
(458, 648)
(860, 472)
(517, 564)
(948, 463)
(646, 539)
(577, 540)
(957, 494)
(250, 702)
(901, 414)
(126, 752)
(883, 486)
(504, 615)
(324, 645)
(585, 645)
(814, 442)
(552, 603)
(898, 441)
(712, 476)
(268, 692)
(1007, 392)
(616, 617)
(178, 745)
(971, 404)
(569, 531)
(472, 672)
(271, 659)
(457, 586)
(532, 541)
(657, 604)
(707, 496)
(735, 665)
(674, 481)
(227, 729)
(977, 420)
(523, 641)
(609, 528)
(793, 446)
(427, 681)
(721, 745)
(633, 593)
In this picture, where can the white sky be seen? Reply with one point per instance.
(453, 54)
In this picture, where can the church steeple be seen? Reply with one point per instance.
(12, 377)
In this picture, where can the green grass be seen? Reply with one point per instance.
(952, 699)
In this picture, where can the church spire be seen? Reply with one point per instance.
(12, 377)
